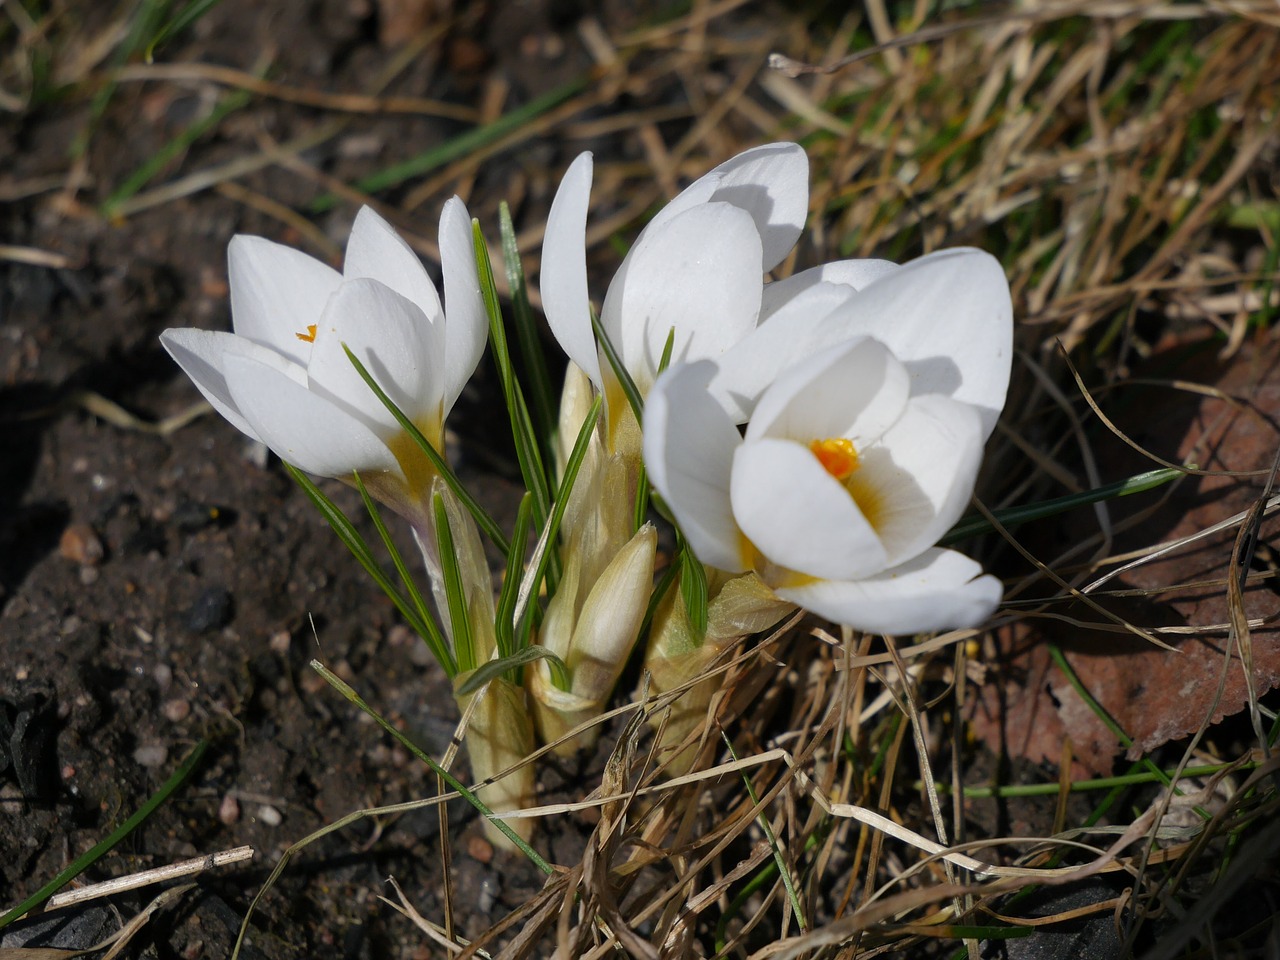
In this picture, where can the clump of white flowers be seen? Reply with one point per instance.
(812, 438)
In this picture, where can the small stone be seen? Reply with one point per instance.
(89, 576)
(270, 816)
(176, 710)
(229, 810)
(212, 609)
(80, 544)
(420, 654)
(479, 849)
(151, 755)
(490, 890)
(279, 642)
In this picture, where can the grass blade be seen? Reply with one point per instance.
(787, 882)
(693, 588)
(482, 518)
(454, 590)
(528, 447)
(504, 627)
(493, 669)
(541, 390)
(629, 388)
(185, 17)
(459, 146)
(543, 560)
(347, 691)
(99, 849)
(161, 158)
(348, 534)
(434, 639)
(973, 525)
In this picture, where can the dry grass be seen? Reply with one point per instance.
(1118, 156)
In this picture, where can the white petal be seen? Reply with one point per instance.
(301, 427)
(938, 590)
(854, 274)
(796, 330)
(949, 319)
(769, 182)
(376, 251)
(202, 355)
(466, 323)
(688, 452)
(856, 391)
(798, 515)
(276, 293)
(699, 275)
(391, 337)
(563, 281)
(915, 484)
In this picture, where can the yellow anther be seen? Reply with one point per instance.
(310, 335)
(837, 455)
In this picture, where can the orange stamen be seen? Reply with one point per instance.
(837, 456)
(310, 335)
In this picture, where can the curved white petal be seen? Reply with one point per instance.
(202, 354)
(949, 319)
(698, 275)
(375, 251)
(396, 344)
(857, 391)
(563, 281)
(853, 274)
(920, 476)
(466, 323)
(799, 516)
(276, 293)
(938, 590)
(769, 182)
(302, 427)
(688, 452)
(784, 338)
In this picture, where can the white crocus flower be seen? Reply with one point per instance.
(283, 378)
(857, 458)
(696, 269)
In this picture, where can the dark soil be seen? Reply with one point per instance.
(160, 590)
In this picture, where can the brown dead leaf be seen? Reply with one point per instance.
(1157, 695)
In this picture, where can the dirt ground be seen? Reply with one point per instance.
(161, 589)
(165, 584)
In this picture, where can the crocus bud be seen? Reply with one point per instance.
(593, 636)
(739, 606)
(499, 736)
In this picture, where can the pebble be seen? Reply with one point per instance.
(490, 890)
(279, 642)
(151, 755)
(229, 810)
(176, 710)
(80, 544)
(400, 636)
(270, 816)
(89, 576)
(212, 609)
(479, 849)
